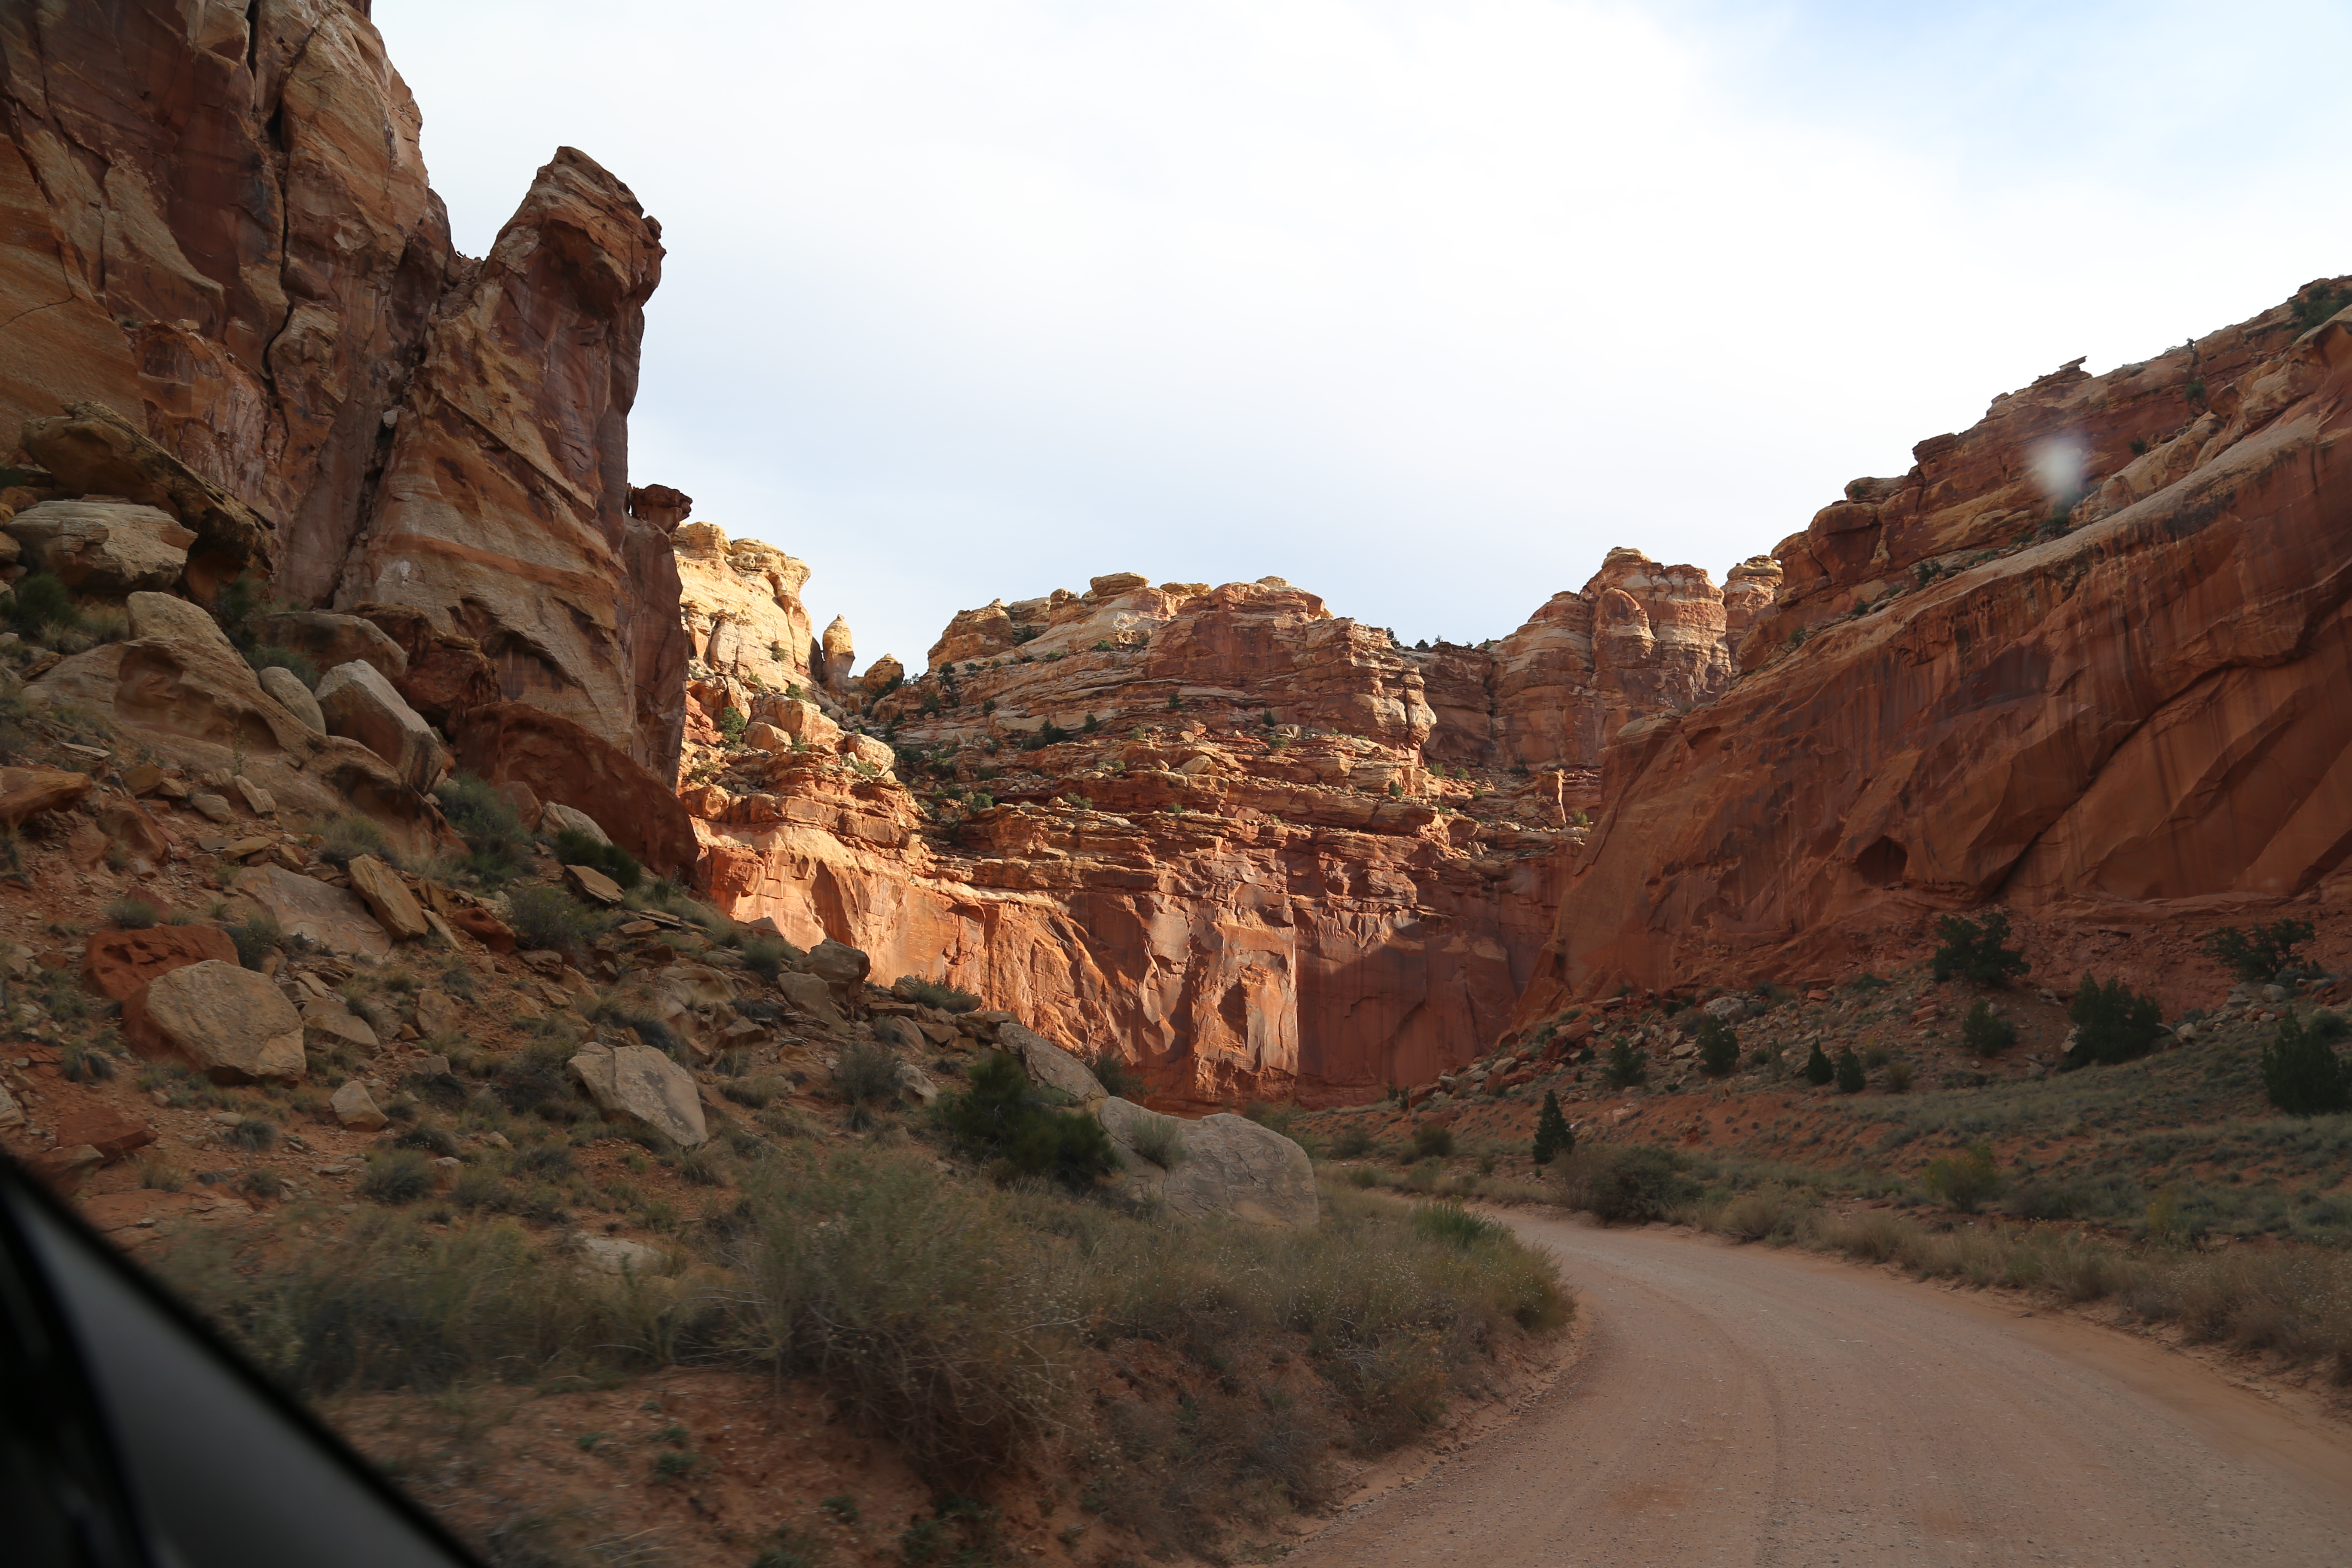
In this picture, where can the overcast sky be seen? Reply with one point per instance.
(1422, 306)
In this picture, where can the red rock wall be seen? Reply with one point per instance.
(2136, 719)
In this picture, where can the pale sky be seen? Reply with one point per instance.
(1422, 306)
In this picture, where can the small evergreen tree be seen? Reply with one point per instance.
(1818, 1065)
(1626, 1066)
(2302, 1073)
(2112, 1024)
(732, 722)
(1985, 1031)
(1975, 953)
(1554, 1137)
(1849, 1072)
(1092, 724)
(1718, 1047)
(2263, 956)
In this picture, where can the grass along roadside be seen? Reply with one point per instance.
(1192, 1389)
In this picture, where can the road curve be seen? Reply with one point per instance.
(1750, 1405)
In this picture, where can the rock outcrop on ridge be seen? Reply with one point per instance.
(1966, 694)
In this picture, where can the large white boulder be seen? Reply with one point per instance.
(102, 547)
(1049, 1064)
(1230, 1167)
(229, 1021)
(640, 1084)
(360, 704)
(169, 619)
(293, 696)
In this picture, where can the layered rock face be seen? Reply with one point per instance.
(220, 237)
(2137, 715)
(740, 601)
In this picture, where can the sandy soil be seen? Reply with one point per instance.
(1745, 1405)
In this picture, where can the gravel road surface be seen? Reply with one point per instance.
(1750, 1405)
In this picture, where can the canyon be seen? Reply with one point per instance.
(1259, 849)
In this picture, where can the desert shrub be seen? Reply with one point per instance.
(866, 1074)
(1898, 1078)
(933, 994)
(1631, 1187)
(1451, 1223)
(1554, 1137)
(1001, 1116)
(1985, 1031)
(764, 956)
(132, 914)
(252, 1135)
(1432, 1143)
(1966, 1179)
(397, 1176)
(574, 848)
(1110, 1071)
(1850, 1078)
(1974, 952)
(262, 1183)
(350, 836)
(255, 940)
(77, 1064)
(1759, 1215)
(1626, 1065)
(1352, 1143)
(1819, 1068)
(2319, 305)
(732, 723)
(2263, 955)
(1158, 1139)
(40, 605)
(2302, 1074)
(2112, 1024)
(487, 820)
(548, 918)
(1718, 1047)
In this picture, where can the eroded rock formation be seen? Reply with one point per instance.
(2110, 718)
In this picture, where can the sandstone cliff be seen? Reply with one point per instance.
(1967, 694)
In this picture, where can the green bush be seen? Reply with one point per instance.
(488, 824)
(1353, 1144)
(1432, 1143)
(866, 1074)
(1819, 1068)
(1966, 1179)
(549, 918)
(1636, 1185)
(764, 956)
(1554, 1136)
(1850, 1078)
(1111, 1071)
(255, 940)
(132, 914)
(2263, 956)
(350, 836)
(1718, 1047)
(1450, 1223)
(732, 723)
(40, 604)
(2112, 1024)
(1158, 1139)
(2302, 1074)
(933, 994)
(2319, 305)
(1003, 1117)
(1974, 952)
(1626, 1065)
(573, 848)
(1985, 1031)
(397, 1176)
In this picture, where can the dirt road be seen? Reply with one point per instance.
(1747, 1406)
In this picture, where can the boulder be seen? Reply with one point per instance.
(916, 1082)
(766, 737)
(229, 1021)
(257, 800)
(12, 1115)
(483, 927)
(121, 963)
(327, 1019)
(437, 1012)
(1049, 1064)
(356, 1108)
(640, 1084)
(169, 619)
(287, 687)
(27, 792)
(212, 807)
(566, 764)
(329, 640)
(617, 1255)
(899, 1032)
(102, 547)
(1229, 1168)
(810, 994)
(592, 885)
(556, 817)
(839, 966)
(869, 751)
(387, 898)
(94, 450)
(332, 917)
(360, 704)
(104, 1129)
(801, 720)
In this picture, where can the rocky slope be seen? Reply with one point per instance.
(2117, 704)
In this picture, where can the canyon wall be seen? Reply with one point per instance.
(218, 227)
(2115, 705)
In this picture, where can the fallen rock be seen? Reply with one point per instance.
(437, 1012)
(168, 619)
(899, 1032)
(1051, 1065)
(287, 687)
(592, 885)
(1229, 1168)
(387, 898)
(556, 817)
(94, 450)
(332, 917)
(257, 800)
(810, 994)
(356, 1108)
(330, 1021)
(915, 1082)
(641, 1085)
(103, 547)
(360, 704)
(101, 1128)
(841, 966)
(27, 792)
(121, 963)
(483, 927)
(11, 1114)
(567, 765)
(229, 1021)
(869, 752)
(212, 807)
(617, 1255)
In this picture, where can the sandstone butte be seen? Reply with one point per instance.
(1259, 849)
